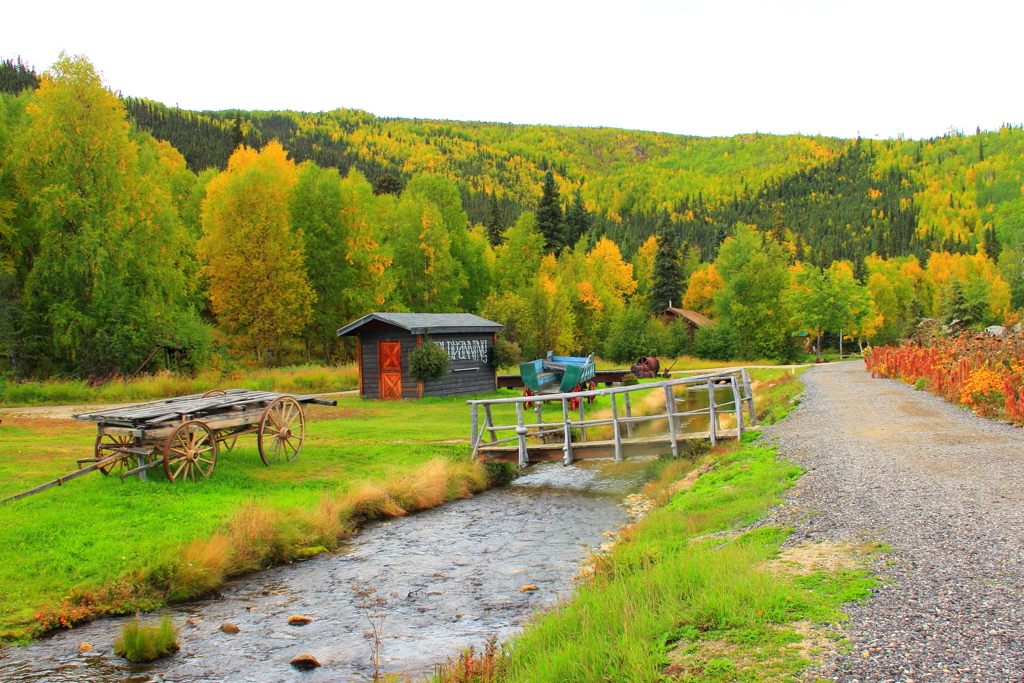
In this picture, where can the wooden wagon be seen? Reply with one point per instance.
(558, 375)
(185, 434)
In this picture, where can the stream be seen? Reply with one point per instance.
(451, 577)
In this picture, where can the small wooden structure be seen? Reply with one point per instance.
(185, 434)
(385, 341)
(694, 320)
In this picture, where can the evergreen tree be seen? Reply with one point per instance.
(387, 184)
(549, 215)
(577, 219)
(237, 134)
(992, 246)
(667, 276)
(494, 231)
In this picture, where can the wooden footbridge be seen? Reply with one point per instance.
(645, 419)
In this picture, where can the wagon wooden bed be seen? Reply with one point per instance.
(185, 434)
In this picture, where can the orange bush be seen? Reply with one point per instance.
(984, 373)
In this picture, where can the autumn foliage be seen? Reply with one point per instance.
(983, 373)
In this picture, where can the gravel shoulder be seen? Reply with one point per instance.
(946, 489)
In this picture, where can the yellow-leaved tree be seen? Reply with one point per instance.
(252, 258)
(700, 293)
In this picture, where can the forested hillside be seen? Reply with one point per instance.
(561, 233)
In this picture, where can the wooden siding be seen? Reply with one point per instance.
(468, 375)
(465, 375)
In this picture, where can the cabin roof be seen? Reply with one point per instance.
(427, 323)
(693, 316)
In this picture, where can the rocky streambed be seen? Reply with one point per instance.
(449, 578)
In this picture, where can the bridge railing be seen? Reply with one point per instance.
(741, 401)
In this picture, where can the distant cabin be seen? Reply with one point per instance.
(385, 341)
(693, 319)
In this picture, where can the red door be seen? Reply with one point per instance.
(390, 355)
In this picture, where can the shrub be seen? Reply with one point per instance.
(629, 379)
(429, 362)
(715, 343)
(635, 334)
(506, 354)
(138, 643)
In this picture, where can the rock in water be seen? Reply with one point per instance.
(228, 627)
(305, 662)
(298, 620)
(85, 647)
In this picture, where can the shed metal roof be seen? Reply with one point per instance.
(693, 316)
(427, 323)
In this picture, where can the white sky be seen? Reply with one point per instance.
(835, 67)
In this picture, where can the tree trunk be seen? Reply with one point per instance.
(840, 343)
(818, 348)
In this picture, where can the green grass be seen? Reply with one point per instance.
(64, 544)
(138, 643)
(296, 379)
(666, 585)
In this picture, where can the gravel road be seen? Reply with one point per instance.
(946, 489)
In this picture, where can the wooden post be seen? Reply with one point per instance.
(712, 417)
(359, 360)
(538, 407)
(474, 438)
(567, 449)
(490, 421)
(738, 404)
(419, 384)
(521, 431)
(629, 413)
(617, 435)
(583, 429)
(750, 397)
(670, 408)
(141, 460)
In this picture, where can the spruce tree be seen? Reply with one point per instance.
(495, 233)
(666, 276)
(577, 219)
(549, 215)
(237, 135)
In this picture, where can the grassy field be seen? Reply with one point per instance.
(302, 379)
(98, 544)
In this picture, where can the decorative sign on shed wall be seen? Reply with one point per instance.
(385, 341)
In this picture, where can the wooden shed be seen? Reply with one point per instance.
(385, 341)
(693, 319)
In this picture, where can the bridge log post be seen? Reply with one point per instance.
(616, 432)
(670, 409)
(712, 416)
(750, 397)
(567, 458)
(490, 422)
(629, 413)
(583, 428)
(738, 404)
(538, 407)
(474, 438)
(521, 431)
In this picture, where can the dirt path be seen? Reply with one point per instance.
(946, 489)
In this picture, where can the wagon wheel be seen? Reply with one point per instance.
(574, 402)
(226, 439)
(111, 440)
(591, 387)
(190, 449)
(282, 431)
(527, 392)
(214, 392)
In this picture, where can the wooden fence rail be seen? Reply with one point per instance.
(741, 406)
